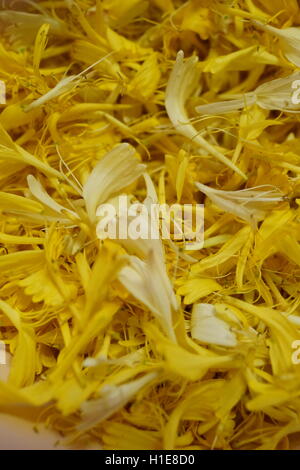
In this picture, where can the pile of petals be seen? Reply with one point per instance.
(145, 344)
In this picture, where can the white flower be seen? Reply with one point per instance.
(148, 282)
(116, 170)
(113, 398)
(147, 279)
(182, 81)
(276, 94)
(208, 328)
(289, 40)
(250, 205)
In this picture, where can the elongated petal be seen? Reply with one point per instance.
(149, 283)
(62, 87)
(224, 107)
(21, 262)
(12, 202)
(249, 204)
(113, 399)
(186, 364)
(23, 363)
(289, 40)
(273, 94)
(278, 93)
(10, 151)
(116, 170)
(195, 289)
(39, 193)
(29, 23)
(182, 82)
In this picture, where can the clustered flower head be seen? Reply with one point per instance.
(146, 344)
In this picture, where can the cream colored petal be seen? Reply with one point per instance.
(148, 282)
(208, 328)
(248, 204)
(113, 399)
(289, 40)
(116, 170)
(181, 84)
(41, 195)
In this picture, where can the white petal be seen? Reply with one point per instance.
(289, 40)
(274, 95)
(134, 278)
(224, 107)
(151, 191)
(39, 193)
(130, 360)
(113, 399)
(64, 85)
(181, 84)
(148, 282)
(61, 87)
(209, 329)
(29, 23)
(277, 94)
(248, 204)
(116, 170)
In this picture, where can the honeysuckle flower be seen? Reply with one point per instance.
(112, 399)
(250, 204)
(283, 333)
(289, 40)
(208, 328)
(187, 364)
(182, 81)
(275, 94)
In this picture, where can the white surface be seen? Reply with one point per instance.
(18, 434)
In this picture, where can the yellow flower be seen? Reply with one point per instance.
(133, 343)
